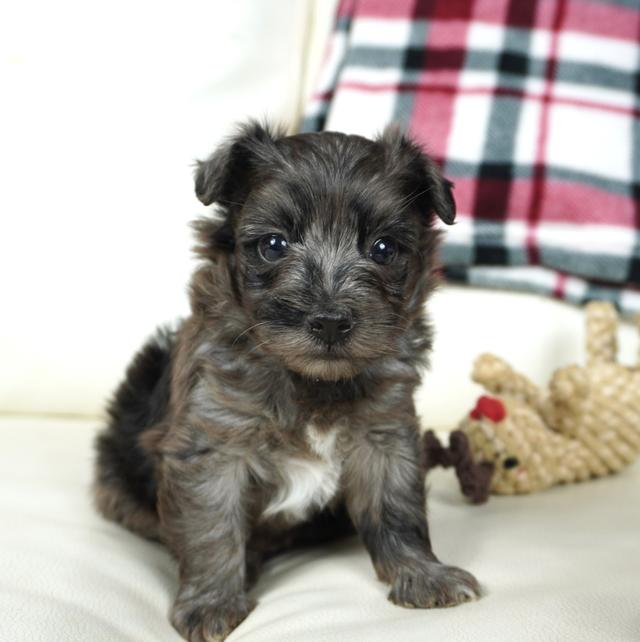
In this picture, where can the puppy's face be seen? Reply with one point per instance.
(330, 241)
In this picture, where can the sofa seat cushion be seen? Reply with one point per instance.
(559, 565)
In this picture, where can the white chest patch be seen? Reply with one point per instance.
(308, 484)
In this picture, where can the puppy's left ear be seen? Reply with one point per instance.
(426, 187)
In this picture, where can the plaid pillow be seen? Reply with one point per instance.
(533, 110)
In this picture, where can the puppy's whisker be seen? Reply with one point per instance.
(255, 325)
(412, 197)
(394, 327)
(256, 347)
(225, 202)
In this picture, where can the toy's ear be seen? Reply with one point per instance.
(426, 187)
(474, 478)
(226, 176)
(433, 453)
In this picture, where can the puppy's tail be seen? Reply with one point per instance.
(125, 487)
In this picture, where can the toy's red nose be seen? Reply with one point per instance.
(489, 407)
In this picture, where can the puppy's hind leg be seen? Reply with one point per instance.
(114, 499)
(124, 484)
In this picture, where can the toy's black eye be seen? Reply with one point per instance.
(383, 251)
(510, 462)
(272, 247)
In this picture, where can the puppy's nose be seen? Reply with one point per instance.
(330, 327)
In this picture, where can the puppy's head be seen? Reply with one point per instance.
(329, 241)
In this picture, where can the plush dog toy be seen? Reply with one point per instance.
(586, 425)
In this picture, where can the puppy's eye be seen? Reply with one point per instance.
(383, 251)
(510, 462)
(272, 247)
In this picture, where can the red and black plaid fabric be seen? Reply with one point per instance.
(533, 110)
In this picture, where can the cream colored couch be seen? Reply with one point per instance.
(104, 108)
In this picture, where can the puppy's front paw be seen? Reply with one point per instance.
(431, 585)
(202, 621)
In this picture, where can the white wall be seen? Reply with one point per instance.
(104, 107)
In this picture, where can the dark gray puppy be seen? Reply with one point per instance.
(280, 412)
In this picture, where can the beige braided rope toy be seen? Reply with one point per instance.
(587, 425)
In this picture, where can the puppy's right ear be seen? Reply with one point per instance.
(225, 177)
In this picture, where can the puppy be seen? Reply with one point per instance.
(280, 412)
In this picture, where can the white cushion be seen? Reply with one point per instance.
(534, 333)
(558, 565)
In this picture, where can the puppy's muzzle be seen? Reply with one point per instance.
(330, 327)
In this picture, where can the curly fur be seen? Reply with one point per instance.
(243, 434)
